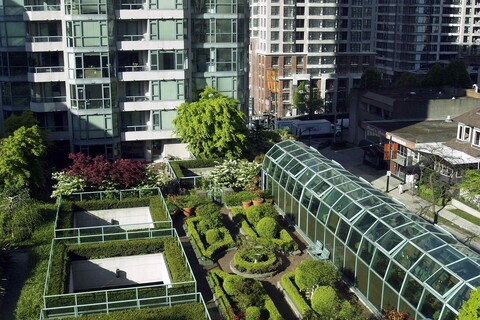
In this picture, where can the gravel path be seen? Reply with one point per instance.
(17, 272)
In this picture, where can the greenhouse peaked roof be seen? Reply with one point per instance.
(429, 253)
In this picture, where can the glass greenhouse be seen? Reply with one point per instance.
(392, 256)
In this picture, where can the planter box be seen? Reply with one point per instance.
(289, 300)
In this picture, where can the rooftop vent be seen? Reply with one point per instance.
(448, 119)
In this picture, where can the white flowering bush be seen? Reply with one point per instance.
(156, 176)
(66, 184)
(234, 174)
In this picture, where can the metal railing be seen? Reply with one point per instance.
(44, 39)
(43, 7)
(45, 69)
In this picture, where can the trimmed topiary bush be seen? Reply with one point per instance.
(325, 302)
(256, 213)
(268, 228)
(212, 236)
(252, 313)
(255, 260)
(232, 284)
(210, 218)
(312, 273)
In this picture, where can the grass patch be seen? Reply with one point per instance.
(464, 215)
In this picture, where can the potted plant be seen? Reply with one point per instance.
(257, 198)
(190, 202)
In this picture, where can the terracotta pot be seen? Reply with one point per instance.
(246, 204)
(258, 202)
(187, 212)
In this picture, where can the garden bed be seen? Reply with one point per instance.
(240, 297)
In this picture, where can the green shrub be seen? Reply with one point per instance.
(292, 290)
(212, 236)
(255, 260)
(268, 228)
(192, 201)
(273, 313)
(287, 242)
(210, 217)
(250, 293)
(256, 213)
(252, 313)
(232, 284)
(310, 273)
(325, 302)
(110, 204)
(251, 234)
(204, 250)
(235, 199)
(157, 209)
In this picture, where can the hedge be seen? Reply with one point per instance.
(185, 311)
(272, 309)
(235, 199)
(208, 251)
(243, 265)
(288, 284)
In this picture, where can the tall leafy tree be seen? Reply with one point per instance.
(456, 75)
(435, 77)
(406, 80)
(306, 101)
(370, 79)
(212, 126)
(21, 162)
(14, 122)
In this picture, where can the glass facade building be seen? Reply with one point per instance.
(393, 257)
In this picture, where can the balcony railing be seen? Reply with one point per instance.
(45, 69)
(136, 98)
(44, 39)
(49, 99)
(43, 7)
(131, 6)
(133, 37)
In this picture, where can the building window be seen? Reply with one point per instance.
(476, 137)
(275, 35)
(274, 61)
(464, 132)
(275, 23)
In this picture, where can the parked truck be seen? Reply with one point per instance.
(315, 128)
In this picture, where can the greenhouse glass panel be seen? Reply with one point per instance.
(266, 163)
(395, 220)
(271, 168)
(475, 282)
(425, 268)
(380, 262)
(349, 270)
(287, 208)
(411, 230)
(382, 211)
(277, 173)
(314, 181)
(395, 276)
(366, 251)
(277, 154)
(407, 308)
(351, 210)
(272, 150)
(377, 231)
(295, 211)
(291, 147)
(390, 297)
(305, 176)
(358, 194)
(369, 202)
(375, 290)
(338, 180)
(283, 178)
(306, 197)
(362, 277)
(311, 226)
(303, 219)
(342, 230)
(323, 212)
(447, 238)
(314, 205)
(339, 254)
(354, 240)
(442, 281)
(319, 231)
(365, 222)
(446, 255)
(294, 170)
(281, 197)
(285, 160)
(328, 173)
(412, 291)
(467, 252)
(431, 306)
(290, 185)
(319, 167)
(341, 203)
(331, 196)
(428, 242)
(390, 240)
(347, 187)
(320, 188)
(460, 297)
(448, 314)
(329, 240)
(297, 192)
(408, 255)
(465, 269)
(332, 221)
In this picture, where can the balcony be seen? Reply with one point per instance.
(137, 72)
(144, 103)
(46, 74)
(48, 104)
(144, 133)
(44, 43)
(139, 11)
(42, 12)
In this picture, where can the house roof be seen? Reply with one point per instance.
(419, 131)
(465, 147)
(471, 118)
(449, 154)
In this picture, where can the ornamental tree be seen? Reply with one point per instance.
(21, 159)
(213, 127)
(325, 302)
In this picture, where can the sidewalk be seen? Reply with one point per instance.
(351, 159)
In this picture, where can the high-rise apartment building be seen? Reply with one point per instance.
(327, 43)
(105, 77)
(413, 35)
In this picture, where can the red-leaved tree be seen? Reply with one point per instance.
(393, 314)
(100, 174)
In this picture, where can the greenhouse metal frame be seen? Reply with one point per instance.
(393, 257)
